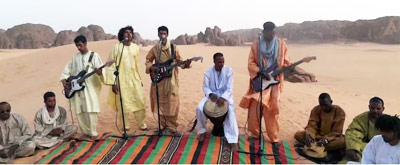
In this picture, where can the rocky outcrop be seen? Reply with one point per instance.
(30, 36)
(298, 74)
(65, 37)
(185, 40)
(385, 30)
(5, 43)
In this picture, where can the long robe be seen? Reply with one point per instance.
(15, 130)
(222, 86)
(325, 125)
(169, 102)
(86, 100)
(359, 133)
(271, 96)
(41, 137)
(129, 77)
(378, 151)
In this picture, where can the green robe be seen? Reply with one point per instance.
(359, 133)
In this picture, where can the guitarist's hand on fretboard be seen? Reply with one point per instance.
(188, 62)
(264, 75)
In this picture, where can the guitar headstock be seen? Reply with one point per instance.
(308, 59)
(197, 58)
(109, 62)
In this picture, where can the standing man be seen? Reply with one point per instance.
(168, 88)
(51, 123)
(362, 130)
(273, 53)
(130, 85)
(86, 101)
(16, 138)
(218, 87)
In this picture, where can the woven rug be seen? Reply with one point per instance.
(185, 149)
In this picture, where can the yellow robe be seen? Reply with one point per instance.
(130, 81)
(86, 100)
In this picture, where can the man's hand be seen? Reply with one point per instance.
(115, 89)
(322, 142)
(352, 155)
(309, 140)
(98, 71)
(220, 102)
(153, 68)
(264, 75)
(66, 85)
(213, 97)
(187, 65)
(56, 132)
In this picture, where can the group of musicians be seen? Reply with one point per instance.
(218, 104)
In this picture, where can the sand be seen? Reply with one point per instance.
(351, 73)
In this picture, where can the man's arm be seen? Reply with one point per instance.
(110, 77)
(313, 122)
(355, 135)
(150, 57)
(252, 61)
(206, 85)
(67, 71)
(369, 152)
(38, 123)
(179, 59)
(229, 90)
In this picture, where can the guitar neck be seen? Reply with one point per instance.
(287, 68)
(89, 74)
(177, 64)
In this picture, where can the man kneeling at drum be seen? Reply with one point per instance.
(218, 105)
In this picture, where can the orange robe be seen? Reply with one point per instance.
(270, 96)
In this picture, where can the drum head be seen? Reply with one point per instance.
(211, 109)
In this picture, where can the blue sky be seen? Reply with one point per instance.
(185, 16)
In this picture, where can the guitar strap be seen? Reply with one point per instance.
(172, 52)
(90, 60)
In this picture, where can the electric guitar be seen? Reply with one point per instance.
(75, 82)
(272, 74)
(165, 69)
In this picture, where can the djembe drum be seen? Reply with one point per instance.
(217, 115)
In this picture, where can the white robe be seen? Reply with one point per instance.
(221, 86)
(15, 130)
(86, 100)
(378, 151)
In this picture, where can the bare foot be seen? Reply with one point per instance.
(201, 137)
(234, 147)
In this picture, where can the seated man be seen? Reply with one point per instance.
(325, 126)
(51, 123)
(362, 130)
(384, 148)
(217, 86)
(15, 139)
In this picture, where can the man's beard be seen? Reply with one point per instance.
(51, 106)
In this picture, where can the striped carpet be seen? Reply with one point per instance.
(174, 150)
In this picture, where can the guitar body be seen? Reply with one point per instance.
(75, 86)
(163, 71)
(256, 84)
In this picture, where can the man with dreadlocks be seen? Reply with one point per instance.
(384, 148)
